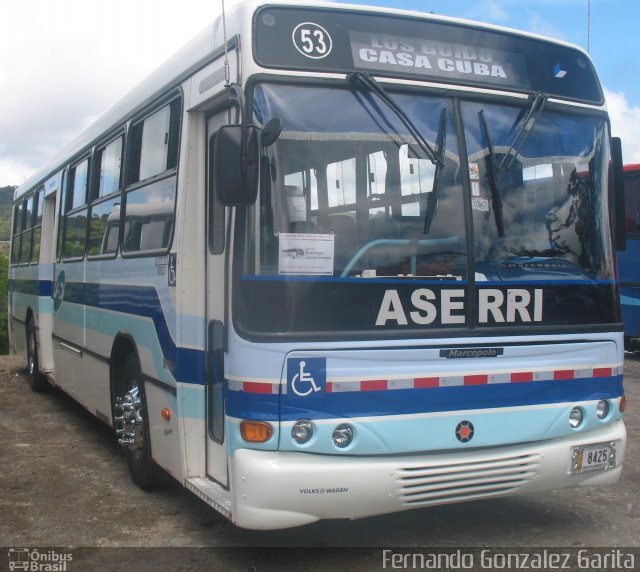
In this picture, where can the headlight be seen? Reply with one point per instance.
(575, 417)
(342, 435)
(602, 409)
(302, 431)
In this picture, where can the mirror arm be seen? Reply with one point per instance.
(236, 97)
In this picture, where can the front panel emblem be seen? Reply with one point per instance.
(464, 431)
(58, 291)
(306, 376)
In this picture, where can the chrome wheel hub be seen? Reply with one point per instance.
(31, 357)
(129, 421)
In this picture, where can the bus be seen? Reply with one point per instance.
(628, 259)
(331, 262)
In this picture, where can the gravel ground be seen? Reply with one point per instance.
(64, 483)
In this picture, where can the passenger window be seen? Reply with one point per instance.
(154, 143)
(75, 234)
(149, 217)
(104, 227)
(75, 217)
(27, 234)
(379, 201)
(78, 180)
(149, 208)
(341, 183)
(416, 179)
(109, 160)
(18, 228)
(104, 220)
(37, 227)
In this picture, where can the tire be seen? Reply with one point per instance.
(143, 470)
(38, 381)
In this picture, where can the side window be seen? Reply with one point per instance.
(149, 208)
(377, 196)
(104, 222)
(75, 212)
(104, 227)
(79, 183)
(27, 236)
(416, 179)
(154, 144)
(37, 226)
(109, 168)
(341, 183)
(18, 227)
(62, 208)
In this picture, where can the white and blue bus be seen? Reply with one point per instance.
(332, 262)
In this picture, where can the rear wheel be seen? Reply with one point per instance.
(132, 425)
(38, 380)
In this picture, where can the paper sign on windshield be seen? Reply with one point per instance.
(308, 254)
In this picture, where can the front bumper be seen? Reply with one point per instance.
(272, 490)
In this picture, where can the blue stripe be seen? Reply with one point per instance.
(42, 288)
(334, 279)
(578, 282)
(142, 301)
(415, 401)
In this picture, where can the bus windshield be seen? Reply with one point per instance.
(346, 192)
(349, 168)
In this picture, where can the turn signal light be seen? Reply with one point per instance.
(166, 413)
(256, 431)
(623, 403)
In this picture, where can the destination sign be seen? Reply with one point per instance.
(420, 48)
(438, 59)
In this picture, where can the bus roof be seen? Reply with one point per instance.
(200, 51)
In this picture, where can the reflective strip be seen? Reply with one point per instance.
(333, 386)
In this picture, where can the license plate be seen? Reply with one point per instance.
(595, 457)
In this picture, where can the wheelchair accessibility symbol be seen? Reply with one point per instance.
(306, 376)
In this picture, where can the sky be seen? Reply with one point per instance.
(63, 62)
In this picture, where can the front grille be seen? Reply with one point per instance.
(427, 484)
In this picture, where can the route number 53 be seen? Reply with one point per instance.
(311, 40)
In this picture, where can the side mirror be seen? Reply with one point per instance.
(271, 131)
(236, 164)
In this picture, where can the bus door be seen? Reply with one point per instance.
(68, 279)
(47, 275)
(217, 452)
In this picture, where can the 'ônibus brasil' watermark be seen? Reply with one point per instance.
(39, 559)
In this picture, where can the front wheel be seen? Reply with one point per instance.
(39, 382)
(132, 426)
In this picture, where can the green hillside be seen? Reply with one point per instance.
(6, 201)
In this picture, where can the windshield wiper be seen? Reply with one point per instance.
(432, 200)
(369, 82)
(527, 124)
(492, 175)
(436, 157)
